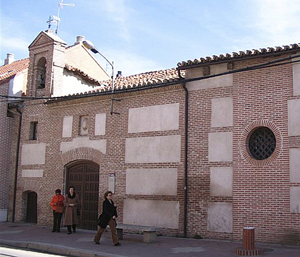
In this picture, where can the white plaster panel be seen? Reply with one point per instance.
(154, 118)
(294, 117)
(3, 215)
(221, 181)
(220, 146)
(100, 121)
(99, 145)
(220, 81)
(33, 154)
(295, 165)
(153, 149)
(296, 79)
(32, 173)
(219, 217)
(67, 126)
(295, 199)
(16, 85)
(222, 112)
(151, 181)
(164, 214)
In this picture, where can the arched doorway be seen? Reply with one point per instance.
(31, 207)
(84, 176)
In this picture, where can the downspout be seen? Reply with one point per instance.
(185, 155)
(17, 165)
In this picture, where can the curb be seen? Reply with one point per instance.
(54, 249)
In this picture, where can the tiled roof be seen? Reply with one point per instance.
(134, 81)
(10, 70)
(238, 55)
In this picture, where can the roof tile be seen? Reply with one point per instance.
(9, 70)
(238, 55)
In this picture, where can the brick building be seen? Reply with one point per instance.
(13, 79)
(201, 150)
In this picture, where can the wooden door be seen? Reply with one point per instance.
(84, 176)
(31, 214)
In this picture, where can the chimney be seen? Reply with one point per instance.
(79, 39)
(10, 58)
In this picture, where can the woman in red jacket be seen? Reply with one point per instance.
(57, 204)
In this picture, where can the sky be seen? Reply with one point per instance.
(148, 35)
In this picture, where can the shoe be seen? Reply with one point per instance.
(74, 230)
(97, 243)
(58, 231)
(53, 231)
(117, 244)
(69, 232)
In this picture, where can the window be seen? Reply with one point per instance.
(41, 73)
(33, 130)
(261, 143)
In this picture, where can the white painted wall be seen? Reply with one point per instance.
(151, 181)
(221, 180)
(296, 77)
(222, 112)
(17, 84)
(219, 217)
(154, 118)
(220, 146)
(67, 126)
(153, 149)
(100, 123)
(72, 84)
(164, 214)
(295, 199)
(33, 154)
(294, 117)
(32, 173)
(294, 165)
(78, 142)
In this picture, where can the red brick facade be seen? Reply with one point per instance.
(259, 193)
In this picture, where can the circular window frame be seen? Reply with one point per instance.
(244, 143)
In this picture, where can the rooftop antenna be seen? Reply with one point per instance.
(56, 19)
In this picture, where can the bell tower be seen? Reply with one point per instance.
(46, 54)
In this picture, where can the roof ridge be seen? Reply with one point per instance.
(239, 54)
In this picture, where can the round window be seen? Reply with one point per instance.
(261, 143)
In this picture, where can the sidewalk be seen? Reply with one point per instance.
(81, 244)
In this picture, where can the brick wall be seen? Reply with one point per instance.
(261, 189)
(50, 121)
(5, 147)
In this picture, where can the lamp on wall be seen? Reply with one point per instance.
(89, 45)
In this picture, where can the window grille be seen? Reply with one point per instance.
(262, 143)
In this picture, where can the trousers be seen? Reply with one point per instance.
(56, 221)
(114, 237)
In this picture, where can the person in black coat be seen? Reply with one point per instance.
(108, 217)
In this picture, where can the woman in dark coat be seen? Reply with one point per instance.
(108, 217)
(72, 203)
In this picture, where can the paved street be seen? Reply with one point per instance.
(81, 244)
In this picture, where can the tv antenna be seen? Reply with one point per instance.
(56, 19)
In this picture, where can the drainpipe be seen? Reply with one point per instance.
(17, 165)
(185, 155)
